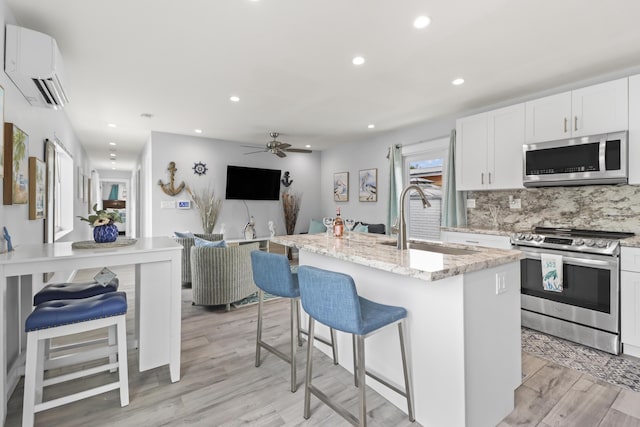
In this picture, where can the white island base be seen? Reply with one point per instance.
(463, 338)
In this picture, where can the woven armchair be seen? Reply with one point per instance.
(187, 243)
(220, 276)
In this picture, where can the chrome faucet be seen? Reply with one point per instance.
(402, 230)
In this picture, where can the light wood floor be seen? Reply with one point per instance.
(220, 386)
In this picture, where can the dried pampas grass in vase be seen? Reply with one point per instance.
(208, 207)
(290, 207)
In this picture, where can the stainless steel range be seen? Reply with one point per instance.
(586, 309)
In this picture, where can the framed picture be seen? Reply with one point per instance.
(85, 186)
(80, 184)
(341, 186)
(368, 185)
(2, 133)
(89, 210)
(37, 188)
(16, 164)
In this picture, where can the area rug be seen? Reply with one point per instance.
(617, 370)
(253, 299)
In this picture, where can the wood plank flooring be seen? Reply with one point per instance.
(220, 385)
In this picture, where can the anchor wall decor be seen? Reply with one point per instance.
(169, 188)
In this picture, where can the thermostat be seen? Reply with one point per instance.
(184, 204)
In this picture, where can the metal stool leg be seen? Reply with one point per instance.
(408, 389)
(259, 333)
(362, 386)
(307, 378)
(298, 321)
(334, 345)
(294, 333)
(355, 360)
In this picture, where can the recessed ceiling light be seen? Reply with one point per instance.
(197, 130)
(358, 60)
(146, 115)
(422, 22)
(113, 168)
(457, 82)
(112, 154)
(234, 98)
(111, 125)
(112, 143)
(307, 146)
(371, 126)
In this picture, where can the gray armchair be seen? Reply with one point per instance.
(220, 276)
(187, 243)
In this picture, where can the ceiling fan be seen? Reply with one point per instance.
(278, 148)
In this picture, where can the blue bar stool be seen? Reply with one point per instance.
(63, 291)
(66, 317)
(331, 298)
(56, 291)
(272, 274)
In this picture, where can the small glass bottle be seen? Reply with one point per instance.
(338, 225)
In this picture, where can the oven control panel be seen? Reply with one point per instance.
(566, 243)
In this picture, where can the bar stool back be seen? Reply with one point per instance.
(66, 317)
(272, 274)
(331, 298)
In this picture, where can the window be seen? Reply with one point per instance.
(424, 166)
(60, 191)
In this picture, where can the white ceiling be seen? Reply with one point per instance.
(289, 61)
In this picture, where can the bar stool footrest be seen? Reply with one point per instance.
(75, 397)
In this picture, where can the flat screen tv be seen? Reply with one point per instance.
(245, 183)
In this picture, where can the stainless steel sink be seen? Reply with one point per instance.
(434, 247)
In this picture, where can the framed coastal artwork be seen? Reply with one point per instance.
(341, 186)
(2, 133)
(16, 165)
(368, 185)
(37, 188)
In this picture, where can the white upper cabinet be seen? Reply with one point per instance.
(489, 150)
(634, 128)
(591, 110)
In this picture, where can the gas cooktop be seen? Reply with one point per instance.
(572, 239)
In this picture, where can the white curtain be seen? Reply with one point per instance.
(395, 184)
(454, 212)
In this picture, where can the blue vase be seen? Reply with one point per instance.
(105, 233)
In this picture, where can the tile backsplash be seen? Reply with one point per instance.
(603, 207)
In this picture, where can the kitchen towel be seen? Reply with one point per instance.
(551, 272)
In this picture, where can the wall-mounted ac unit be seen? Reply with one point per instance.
(33, 62)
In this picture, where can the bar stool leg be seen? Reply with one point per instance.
(355, 361)
(294, 333)
(408, 389)
(298, 321)
(307, 379)
(30, 373)
(123, 369)
(112, 340)
(259, 335)
(362, 386)
(334, 347)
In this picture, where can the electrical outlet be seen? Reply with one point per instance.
(471, 203)
(515, 204)
(501, 283)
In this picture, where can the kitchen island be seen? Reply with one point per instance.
(463, 321)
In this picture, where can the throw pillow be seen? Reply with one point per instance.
(183, 235)
(361, 228)
(316, 226)
(202, 243)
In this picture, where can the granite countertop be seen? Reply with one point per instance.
(366, 249)
(631, 242)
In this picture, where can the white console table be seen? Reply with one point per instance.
(157, 288)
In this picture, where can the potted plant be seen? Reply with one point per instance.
(103, 222)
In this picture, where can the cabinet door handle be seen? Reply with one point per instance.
(565, 125)
(481, 177)
(489, 177)
(472, 241)
(575, 123)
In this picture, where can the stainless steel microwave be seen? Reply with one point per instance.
(597, 159)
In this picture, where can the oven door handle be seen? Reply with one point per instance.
(585, 262)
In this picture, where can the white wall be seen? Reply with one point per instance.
(217, 154)
(367, 154)
(39, 124)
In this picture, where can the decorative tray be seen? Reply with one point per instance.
(91, 244)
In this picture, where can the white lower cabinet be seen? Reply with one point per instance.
(630, 301)
(476, 239)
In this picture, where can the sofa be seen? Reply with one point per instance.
(221, 276)
(187, 243)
